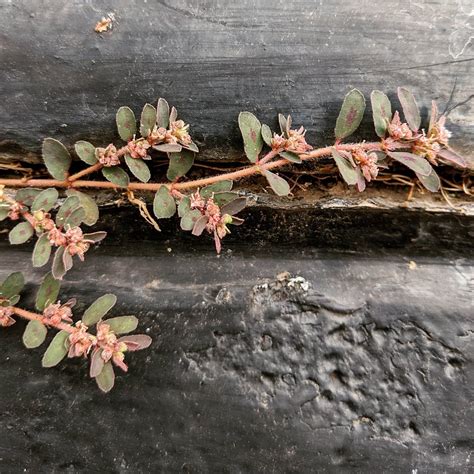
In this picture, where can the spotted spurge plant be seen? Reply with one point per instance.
(204, 205)
(105, 345)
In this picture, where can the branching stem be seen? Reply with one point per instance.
(23, 313)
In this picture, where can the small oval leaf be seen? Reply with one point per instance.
(290, 156)
(431, 182)
(97, 363)
(452, 158)
(86, 152)
(116, 175)
(20, 233)
(162, 113)
(251, 129)
(45, 200)
(126, 123)
(277, 183)
(56, 158)
(381, 112)
(348, 172)
(351, 114)
(122, 324)
(219, 187)
(234, 206)
(138, 168)
(98, 309)
(70, 203)
(189, 219)
(75, 218)
(48, 292)
(57, 350)
(412, 161)
(89, 205)
(136, 342)
(266, 134)
(180, 164)
(410, 108)
(42, 251)
(164, 205)
(57, 268)
(168, 147)
(106, 379)
(26, 196)
(12, 285)
(34, 335)
(147, 120)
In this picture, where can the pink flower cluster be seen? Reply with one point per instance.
(139, 148)
(111, 347)
(178, 132)
(108, 156)
(72, 240)
(6, 313)
(367, 163)
(295, 142)
(56, 313)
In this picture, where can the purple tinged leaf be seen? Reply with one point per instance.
(234, 206)
(42, 251)
(21, 233)
(250, 128)
(106, 379)
(189, 219)
(162, 113)
(57, 350)
(412, 161)
(71, 203)
(136, 342)
(347, 170)
(381, 112)
(89, 205)
(433, 116)
(116, 175)
(173, 115)
(26, 196)
(277, 183)
(266, 134)
(56, 158)
(431, 182)
(168, 147)
(138, 168)
(97, 363)
(283, 125)
(452, 158)
(200, 225)
(34, 335)
(351, 114)
(126, 123)
(48, 292)
(67, 261)
(191, 147)
(86, 152)
(180, 164)
(410, 108)
(12, 285)
(45, 200)
(58, 266)
(164, 205)
(75, 218)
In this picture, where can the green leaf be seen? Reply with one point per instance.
(12, 285)
(189, 219)
(431, 182)
(184, 206)
(122, 324)
(58, 266)
(147, 120)
(48, 292)
(381, 112)
(12, 301)
(412, 161)
(34, 335)
(219, 187)
(57, 350)
(283, 122)
(410, 108)
(89, 205)
(70, 203)
(277, 183)
(4, 210)
(26, 196)
(221, 199)
(75, 218)
(56, 158)
(96, 236)
(98, 309)
(116, 175)
(173, 114)
(251, 129)
(234, 206)
(42, 251)
(168, 147)
(106, 379)
(180, 164)
(164, 205)
(138, 168)
(348, 172)
(162, 113)
(290, 156)
(266, 134)
(86, 152)
(45, 200)
(20, 233)
(126, 123)
(351, 114)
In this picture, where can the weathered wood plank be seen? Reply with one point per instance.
(213, 59)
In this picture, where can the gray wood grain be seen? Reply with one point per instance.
(214, 58)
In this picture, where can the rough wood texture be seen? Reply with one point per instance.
(370, 370)
(212, 59)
